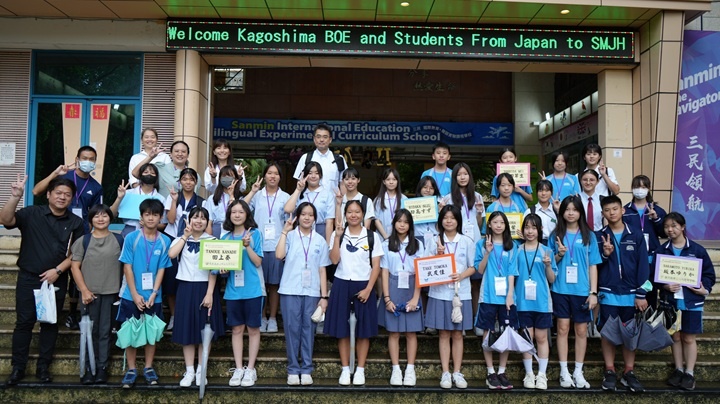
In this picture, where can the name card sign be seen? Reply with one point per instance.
(423, 210)
(685, 271)
(221, 255)
(515, 221)
(519, 171)
(435, 270)
(323, 39)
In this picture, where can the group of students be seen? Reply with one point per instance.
(563, 265)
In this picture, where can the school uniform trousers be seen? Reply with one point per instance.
(297, 311)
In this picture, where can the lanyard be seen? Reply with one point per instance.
(314, 199)
(502, 207)
(306, 251)
(232, 235)
(403, 257)
(77, 195)
(467, 209)
(498, 258)
(149, 252)
(571, 246)
(439, 183)
(225, 204)
(392, 206)
(270, 207)
(448, 245)
(530, 264)
(561, 184)
(642, 217)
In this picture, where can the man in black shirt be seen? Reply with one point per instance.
(47, 233)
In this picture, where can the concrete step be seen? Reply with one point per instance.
(272, 364)
(327, 391)
(8, 275)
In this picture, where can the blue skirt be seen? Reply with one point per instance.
(272, 268)
(439, 315)
(190, 318)
(338, 311)
(320, 229)
(406, 322)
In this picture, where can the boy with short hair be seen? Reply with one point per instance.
(145, 257)
(621, 275)
(608, 183)
(441, 173)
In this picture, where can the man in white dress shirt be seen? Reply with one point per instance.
(332, 164)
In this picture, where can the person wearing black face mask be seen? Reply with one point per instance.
(148, 189)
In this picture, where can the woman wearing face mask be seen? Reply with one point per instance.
(169, 173)
(643, 213)
(150, 145)
(222, 156)
(149, 188)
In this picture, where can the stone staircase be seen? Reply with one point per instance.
(651, 368)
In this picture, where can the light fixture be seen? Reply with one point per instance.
(405, 3)
(547, 116)
(565, 11)
(116, 107)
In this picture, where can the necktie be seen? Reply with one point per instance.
(590, 214)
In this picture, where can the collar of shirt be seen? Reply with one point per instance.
(456, 239)
(327, 154)
(48, 212)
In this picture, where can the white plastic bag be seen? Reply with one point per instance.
(45, 306)
(318, 315)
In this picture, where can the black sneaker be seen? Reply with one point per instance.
(102, 376)
(687, 382)
(72, 323)
(609, 380)
(504, 382)
(675, 378)
(493, 382)
(88, 378)
(632, 383)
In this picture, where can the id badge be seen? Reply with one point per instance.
(147, 281)
(239, 279)
(679, 295)
(530, 290)
(77, 212)
(500, 286)
(306, 278)
(403, 280)
(269, 232)
(571, 274)
(647, 241)
(469, 231)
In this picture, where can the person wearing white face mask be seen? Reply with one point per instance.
(644, 214)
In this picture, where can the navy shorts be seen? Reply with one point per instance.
(570, 306)
(488, 313)
(244, 312)
(128, 309)
(534, 319)
(692, 322)
(626, 313)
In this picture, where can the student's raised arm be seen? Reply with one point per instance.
(120, 195)
(41, 186)
(17, 188)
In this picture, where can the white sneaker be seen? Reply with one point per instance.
(249, 378)
(529, 381)
(580, 381)
(236, 378)
(541, 381)
(170, 323)
(293, 380)
(396, 379)
(272, 325)
(306, 380)
(344, 379)
(410, 378)
(187, 379)
(478, 332)
(263, 325)
(459, 380)
(446, 380)
(359, 378)
(566, 381)
(198, 375)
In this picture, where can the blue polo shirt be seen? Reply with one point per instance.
(564, 186)
(443, 180)
(254, 281)
(577, 254)
(145, 257)
(531, 267)
(515, 196)
(500, 263)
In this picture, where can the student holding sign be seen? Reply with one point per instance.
(688, 299)
(496, 261)
(303, 288)
(197, 289)
(131, 200)
(520, 195)
(427, 231)
(401, 312)
(245, 290)
(451, 240)
(505, 204)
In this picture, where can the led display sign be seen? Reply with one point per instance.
(504, 43)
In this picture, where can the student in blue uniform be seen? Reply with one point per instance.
(356, 251)
(451, 240)
(564, 184)
(303, 288)
(388, 201)
(504, 183)
(577, 256)
(223, 195)
(621, 275)
(440, 172)
(537, 270)
(268, 210)
(520, 195)
(197, 288)
(245, 290)
(687, 299)
(644, 213)
(426, 232)
(544, 209)
(401, 312)
(496, 261)
(310, 189)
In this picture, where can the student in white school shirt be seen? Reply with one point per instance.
(332, 164)
(149, 139)
(589, 195)
(607, 183)
(348, 192)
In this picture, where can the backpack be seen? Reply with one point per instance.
(339, 161)
(86, 242)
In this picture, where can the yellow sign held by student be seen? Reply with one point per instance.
(519, 171)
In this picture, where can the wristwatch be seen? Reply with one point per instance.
(594, 293)
(58, 271)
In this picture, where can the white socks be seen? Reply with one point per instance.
(528, 365)
(542, 365)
